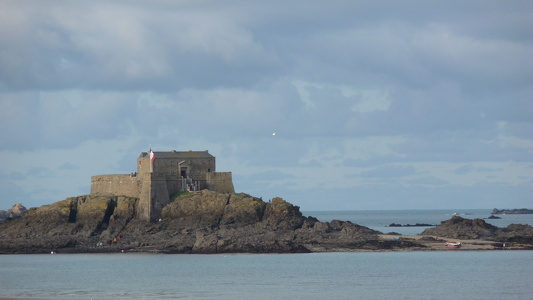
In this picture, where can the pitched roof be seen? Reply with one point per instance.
(178, 154)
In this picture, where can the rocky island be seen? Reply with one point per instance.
(211, 222)
(511, 211)
(176, 202)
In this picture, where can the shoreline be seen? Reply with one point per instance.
(424, 243)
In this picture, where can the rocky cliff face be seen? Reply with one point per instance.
(72, 222)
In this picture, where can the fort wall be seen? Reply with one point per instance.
(169, 173)
(221, 182)
(117, 184)
(191, 167)
(159, 197)
(144, 206)
(143, 165)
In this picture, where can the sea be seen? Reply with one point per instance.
(448, 274)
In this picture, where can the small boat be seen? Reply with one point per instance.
(453, 245)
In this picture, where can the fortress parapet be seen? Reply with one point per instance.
(161, 174)
(118, 184)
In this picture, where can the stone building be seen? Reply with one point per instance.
(161, 174)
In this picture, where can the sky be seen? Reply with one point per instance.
(376, 105)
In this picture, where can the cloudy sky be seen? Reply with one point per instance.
(375, 104)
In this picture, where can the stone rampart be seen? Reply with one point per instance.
(153, 196)
(144, 206)
(117, 184)
(220, 182)
(155, 181)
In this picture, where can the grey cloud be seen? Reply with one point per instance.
(19, 120)
(50, 121)
(13, 193)
(389, 171)
(469, 168)
(93, 46)
(269, 175)
(428, 181)
(68, 166)
(14, 176)
(40, 172)
(348, 84)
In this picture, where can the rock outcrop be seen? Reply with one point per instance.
(460, 228)
(511, 211)
(210, 222)
(76, 221)
(15, 211)
(195, 222)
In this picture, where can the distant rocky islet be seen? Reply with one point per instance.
(511, 211)
(15, 211)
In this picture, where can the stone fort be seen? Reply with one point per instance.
(161, 174)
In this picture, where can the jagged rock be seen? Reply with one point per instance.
(18, 209)
(518, 233)
(205, 243)
(460, 228)
(281, 215)
(310, 222)
(93, 213)
(336, 225)
(15, 211)
(322, 227)
(242, 209)
(123, 214)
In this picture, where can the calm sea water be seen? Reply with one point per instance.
(381, 219)
(368, 275)
(380, 275)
